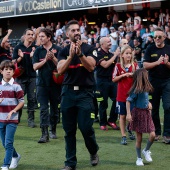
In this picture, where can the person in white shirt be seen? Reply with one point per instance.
(84, 36)
(161, 17)
(114, 39)
(85, 20)
(58, 31)
(167, 15)
(136, 17)
(82, 28)
(129, 20)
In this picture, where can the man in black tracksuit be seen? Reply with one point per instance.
(107, 88)
(77, 62)
(23, 54)
(45, 61)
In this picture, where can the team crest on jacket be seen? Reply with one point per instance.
(95, 53)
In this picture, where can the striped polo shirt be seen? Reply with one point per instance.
(12, 95)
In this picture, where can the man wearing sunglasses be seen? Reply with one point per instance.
(4, 49)
(156, 60)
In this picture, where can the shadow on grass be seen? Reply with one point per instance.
(34, 167)
(86, 163)
(27, 138)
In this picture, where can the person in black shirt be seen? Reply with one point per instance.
(105, 86)
(156, 60)
(77, 61)
(23, 54)
(137, 50)
(5, 49)
(45, 61)
(149, 42)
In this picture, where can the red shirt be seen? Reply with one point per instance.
(125, 83)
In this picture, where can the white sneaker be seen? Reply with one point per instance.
(139, 162)
(14, 162)
(4, 168)
(147, 155)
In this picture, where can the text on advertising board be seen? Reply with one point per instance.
(36, 5)
(84, 3)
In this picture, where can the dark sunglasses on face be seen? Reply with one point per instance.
(67, 42)
(159, 37)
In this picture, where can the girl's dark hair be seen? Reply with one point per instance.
(7, 64)
(47, 32)
(141, 82)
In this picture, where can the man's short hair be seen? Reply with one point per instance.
(159, 29)
(137, 39)
(28, 29)
(72, 22)
(47, 32)
(7, 64)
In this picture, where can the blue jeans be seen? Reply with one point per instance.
(7, 132)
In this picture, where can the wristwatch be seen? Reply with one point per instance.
(81, 55)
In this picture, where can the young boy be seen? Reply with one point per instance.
(11, 100)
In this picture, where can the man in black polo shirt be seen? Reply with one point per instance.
(77, 62)
(5, 49)
(23, 54)
(45, 61)
(156, 60)
(106, 87)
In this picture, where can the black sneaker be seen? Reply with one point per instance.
(94, 159)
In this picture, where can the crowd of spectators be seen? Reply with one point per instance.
(139, 33)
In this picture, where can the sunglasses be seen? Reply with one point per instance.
(159, 37)
(67, 42)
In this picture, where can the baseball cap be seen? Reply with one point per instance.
(112, 28)
(92, 32)
(121, 27)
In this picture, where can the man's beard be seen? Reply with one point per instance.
(76, 37)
